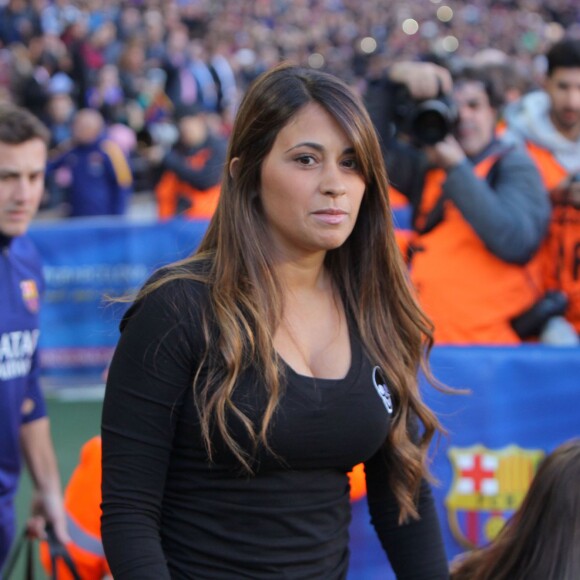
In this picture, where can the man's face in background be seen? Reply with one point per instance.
(22, 169)
(563, 88)
(477, 118)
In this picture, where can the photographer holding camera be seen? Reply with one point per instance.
(479, 210)
(548, 122)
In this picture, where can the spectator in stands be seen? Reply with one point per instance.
(18, 22)
(57, 15)
(34, 85)
(131, 68)
(506, 72)
(479, 209)
(24, 425)
(76, 41)
(155, 104)
(111, 46)
(231, 417)
(225, 78)
(181, 86)
(191, 173)
(106, 95)
(129, 22)
(59, 117)
(205, 80)
(60, 111)
(542, 539)
(155, 32)
(548, 121)
(100, 176)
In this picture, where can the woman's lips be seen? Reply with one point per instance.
(331, 216)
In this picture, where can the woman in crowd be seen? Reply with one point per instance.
(252, 376)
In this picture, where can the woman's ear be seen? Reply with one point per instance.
(234, 167)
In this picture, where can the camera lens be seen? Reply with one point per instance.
(432, 121)
(429, 127)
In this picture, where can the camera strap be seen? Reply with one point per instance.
(434, 217)
(58, 551)
(24, 540)
(430, 211)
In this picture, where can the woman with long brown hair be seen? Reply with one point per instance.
(252, 376)
(541, 541)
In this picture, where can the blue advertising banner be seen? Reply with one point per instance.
(85, 262)
(523, 403)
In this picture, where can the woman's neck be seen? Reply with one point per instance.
(312, 336)
(304, 275)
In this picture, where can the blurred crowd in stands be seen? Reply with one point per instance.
(138, 61)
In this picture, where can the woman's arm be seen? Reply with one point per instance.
(415, 549)
(149, 375)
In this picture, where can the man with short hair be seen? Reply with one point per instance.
(549, 123)
(24, 426)
(191, 173)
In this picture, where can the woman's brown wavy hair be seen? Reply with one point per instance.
(367, 270)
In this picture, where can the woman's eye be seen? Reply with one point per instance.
(305, 159)
(351, 164)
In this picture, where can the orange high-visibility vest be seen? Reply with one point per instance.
(358, 482)
(404, 237)
(396, 199)
(171, 189)
(82, 502)
(561, 249)
(469, 294)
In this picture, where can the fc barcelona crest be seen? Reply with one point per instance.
(29, 292)
(488, 486)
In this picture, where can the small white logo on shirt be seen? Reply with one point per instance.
(381, 386)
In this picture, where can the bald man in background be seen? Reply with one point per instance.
(99, 180)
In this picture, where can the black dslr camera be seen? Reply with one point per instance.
(425, 122)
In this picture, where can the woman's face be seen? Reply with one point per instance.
(311, 185)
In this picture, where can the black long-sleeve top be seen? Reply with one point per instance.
(168, 512)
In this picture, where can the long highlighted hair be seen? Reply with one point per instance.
(367, 271)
